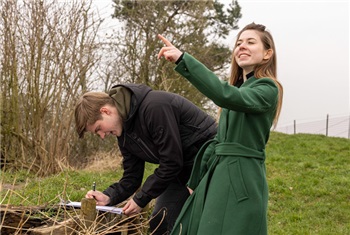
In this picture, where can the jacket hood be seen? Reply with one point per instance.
(133, 96)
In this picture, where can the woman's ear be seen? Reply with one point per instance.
(268, 54)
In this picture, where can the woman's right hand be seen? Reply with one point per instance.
(170, 52)
(101, 198)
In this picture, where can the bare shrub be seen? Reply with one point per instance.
(58, 219)
(49, 51)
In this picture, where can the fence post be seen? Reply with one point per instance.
(88, 211)
(349, 128)
(327, 120)
(295, 127)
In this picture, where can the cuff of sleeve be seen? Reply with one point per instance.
(141, 199)
(112, 201)
(180, 58)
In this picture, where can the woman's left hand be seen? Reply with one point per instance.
(190, 190)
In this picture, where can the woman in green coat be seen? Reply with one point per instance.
(228, 181)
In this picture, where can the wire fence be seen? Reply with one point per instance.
(329, 126)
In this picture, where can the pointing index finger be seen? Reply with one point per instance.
(166, 41)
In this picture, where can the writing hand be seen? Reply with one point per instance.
(101, 198)
(170, 52)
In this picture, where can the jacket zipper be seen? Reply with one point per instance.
(152, 156)
(144, 147)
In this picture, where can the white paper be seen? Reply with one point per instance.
(111, 209)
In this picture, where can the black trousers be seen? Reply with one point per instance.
(167, 208)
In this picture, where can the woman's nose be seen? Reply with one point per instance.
(242, 46)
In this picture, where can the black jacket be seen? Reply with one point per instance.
(161, 128)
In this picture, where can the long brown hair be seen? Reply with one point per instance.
(266, 69)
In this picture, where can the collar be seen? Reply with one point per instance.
(249, 75)
(240, 80)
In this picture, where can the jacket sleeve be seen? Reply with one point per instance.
(130, 181)
(162, 123)
(259, 97)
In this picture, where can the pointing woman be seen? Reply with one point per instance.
(230, 192)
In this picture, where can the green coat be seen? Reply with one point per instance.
(229, 180)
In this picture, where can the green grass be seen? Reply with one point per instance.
(309, 184)
(308, 178)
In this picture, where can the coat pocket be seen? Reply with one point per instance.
(237, 181)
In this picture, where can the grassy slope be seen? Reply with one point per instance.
(309, 184)
(308, 179)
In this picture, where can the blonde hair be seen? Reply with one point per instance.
(87, 110)
(268, 68)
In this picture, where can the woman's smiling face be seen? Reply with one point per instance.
(250, 51)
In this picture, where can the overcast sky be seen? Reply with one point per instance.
(312, 43)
